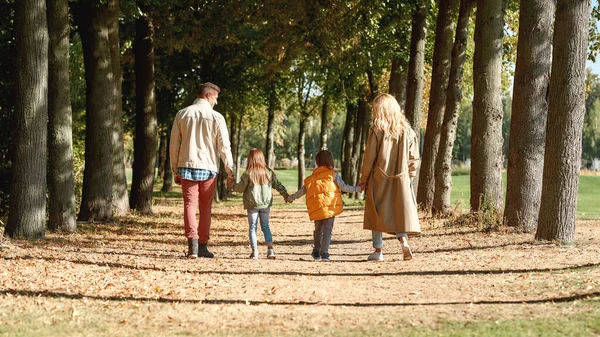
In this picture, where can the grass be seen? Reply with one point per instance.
(588, 202)
(588, 199)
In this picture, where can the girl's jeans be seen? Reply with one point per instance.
(378, 238)
(322, 235)
(253, 216)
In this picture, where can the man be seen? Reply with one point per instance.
(199, 138)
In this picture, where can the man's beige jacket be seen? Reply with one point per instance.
(199, 137)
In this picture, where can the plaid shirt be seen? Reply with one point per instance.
(195, 174)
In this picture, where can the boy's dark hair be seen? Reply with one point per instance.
(324, 158)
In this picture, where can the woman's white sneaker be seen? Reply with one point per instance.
(376, 256)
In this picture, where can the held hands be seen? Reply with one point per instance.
(363, 185)
(287, 200)
(177, 179)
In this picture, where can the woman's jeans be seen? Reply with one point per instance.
(254, 215)
(322, 235)
(378, 238)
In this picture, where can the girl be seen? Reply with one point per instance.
(324, 201)
(256, 184)
(389, 164)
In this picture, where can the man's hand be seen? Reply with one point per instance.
(177, 179)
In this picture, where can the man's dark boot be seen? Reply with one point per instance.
(203, 251)
(192, 248)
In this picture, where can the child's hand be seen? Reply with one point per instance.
(363, 185)
(287, 201)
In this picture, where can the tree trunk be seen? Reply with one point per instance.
(301, 151)
(168, 178)
(486, 135)
(415, 80)
(324, 123)
(347, 141)
(238, 148)
(145, 141)
(528, 116)
(439, 82)
(566, 110)
(61, 195)
(233, 132)
(27, 215)
(120, 199)
(443, 163)
(162, 152)
(356, 142)
(269, 147)
(397, 82)
(96, 199)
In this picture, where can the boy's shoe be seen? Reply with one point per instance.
(376, 256)
(406, 252)
(270, 253)
(325, 257)
(254, 254)
(315, 254)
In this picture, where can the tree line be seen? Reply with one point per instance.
(88, 73)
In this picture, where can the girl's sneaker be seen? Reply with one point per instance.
(376, 256)
(315, 254)
(254, 254)
(325, 257)
(270, 253)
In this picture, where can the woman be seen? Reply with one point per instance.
(389, 165)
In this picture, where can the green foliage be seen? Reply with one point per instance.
(591, 122)
(462, 144)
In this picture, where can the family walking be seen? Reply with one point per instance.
(199, 140)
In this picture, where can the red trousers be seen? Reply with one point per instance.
(198, 195)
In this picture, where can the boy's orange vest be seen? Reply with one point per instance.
(323, 197)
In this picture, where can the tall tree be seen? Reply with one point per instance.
(120, 199)
(444, 34)
(397, 82)
(566, 109)
(416, 66)
(528, 114)
(101, 98)
(146, 129)
(324, 123)
(486, 136)
(61, 195)
(27, 216)
(443, 162)
(272, 106)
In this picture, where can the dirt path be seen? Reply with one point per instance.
(132, 276)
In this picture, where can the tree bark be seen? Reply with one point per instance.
(269, 147)
(120, 199)
(397, 82)
(324, 123)
(415, 80)
(301, 150)
(439, 82)
(146, 128)
(443, 163)
(168, 178)
(566, 110)
(61, 195)
(486, 135)
(347, 141)
(529, 113)
(96, 200)
(27, 215)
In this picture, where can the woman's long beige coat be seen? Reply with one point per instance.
(388, 168)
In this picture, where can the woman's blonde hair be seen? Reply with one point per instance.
(256, 167)
(388, 116)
